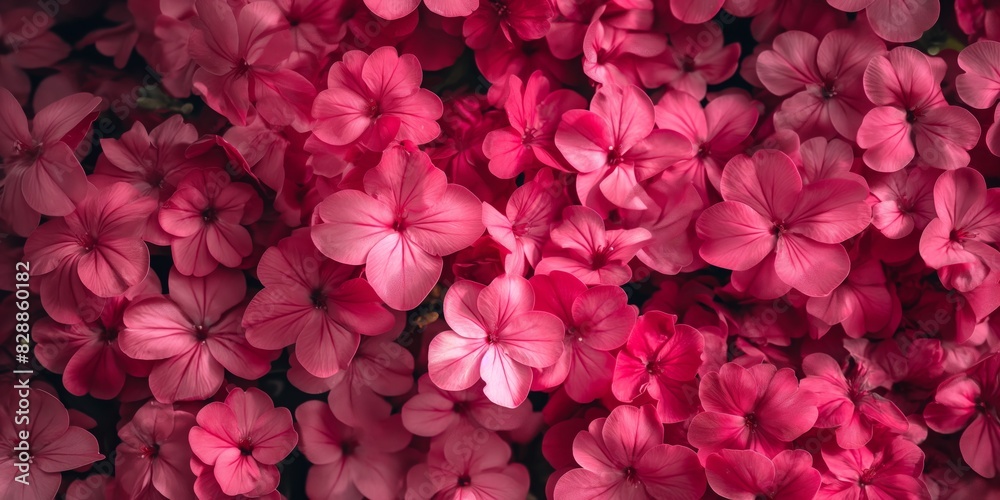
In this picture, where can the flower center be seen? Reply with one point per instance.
(751, 421)
(209, 215)
(688, 64)
(492, 338)
(464, 480)
(601, 257)
(347, 448)
(501, 8)
(246, 447)
(149, 451)
(631, 475)
(614, 156)
(242, 67)
(201, 333)
(374, 109)
(88, 243)
(911, 117)
(961, 235)
(778, 227)
(318, 298)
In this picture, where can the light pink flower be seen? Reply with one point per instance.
(746, 474)
(497, 336)
(453, 470)
(770, 223)
(904, 201)
(374, 100)
(696, 57)
(351, 462)
(194, 334)
(894, 20)
(585, 249)
(41, 172)
(397, 9)
(760, 408)
(312, 302)
(623, 456)
(242, 438)
(523, 227)
(615, 55)
(887, 468)
(433, 411)
(154, 456)
(406, 219)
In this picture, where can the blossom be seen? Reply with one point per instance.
(154, 455)
(243, 438)
(194, 335)
(792, 232)
(396, 9)
(499, 21)
(760, 408)
(523, 227)
(979, 86)
(904, 201)
(738, 474)
(406, 219)
(42, 175)
(894, 20)
(92, 254)
(673, 244)
(696, 57)
(613, 55)
(376, 99)
(433, 411)
(887, 468)
(497, 336)
(315, 303)
(482, 472)
(26, 44)
(624, 453)
(861, 304)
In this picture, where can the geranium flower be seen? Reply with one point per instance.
(904, 201)
(503, 21)
(623, 456)
(376, 99)
(406, 219)
(207, 486)
(979, 86)
(314, 303)
(673, 245)
(42, 175)
(242, 438)
(760, 408)
(433, 411)
(497, 336)
(585, 249)
(911, 118)
(54, 445)
(523, 228)
(791, 232)
(887, 468)
(696, 57)
(154, 456)
(481, 472)
(596, 320)
(194, 334)
(351, 462)
(861, 304)
(615, 55)
(849, 404)
(745, 474)
(397, 9)
(26, 43)
(92, 254)
(661, 358)
(894, 20)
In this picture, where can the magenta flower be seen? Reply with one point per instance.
(374, 100)
(406, 219)
(849, 403)
(242, 438)
(746, 474)
(771, 224)
(623, 456)
(523, 228)
(154, 456)
(397, 9)
(93, 253)
(887, 468)
(661, 358)
(433, 411)
(673, 244)
(904, 201)
(911, 118)
(760, 409)
(194, 334)
(612, 55)
(497, 336)
(42, 175)
(481, 472)
(979, 86)
(861, 304)
(314, 303)
(696, 57)
(504, 21)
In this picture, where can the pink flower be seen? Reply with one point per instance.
(596, 321)
(26, 44)
(241, 59)
(696, 57)
(614, 147)
(406, 219)
(243, 438)
(623, 456)
(54, 445)
(849, 404)
(587, 250)
(887, 468)
(351, 462)
(94, 253)
(661, 358)
(397, 9)
(453, 470)
(746, 474)
(760, 408)
(529, 142)
(911, 118)
(861, 304)
(771, 223)
(154, 456)
(979, 86)
(970, 401)
(314, 303)
(669, 220)
(968, 219)
(503, 21)
(205, 217)
(41, 172)
(615, 55)
(194, 334)
(904, 201)
(433, 411)
(823, 78)
(894, 20)
(497, 336)
(376, 99)
(523, 228)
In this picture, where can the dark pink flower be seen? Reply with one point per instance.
(523, 228)
(242, 438)
(904, 201)
(397, 9)
(861, 304)
(612, 55)
(433, 411)
(979, 86)
(887, 468)
(894, 20)
(746, 474)
(455, 470)
(696, 57)
(154, 456)
(623, 456)
(760, 408)
(315, 303)
(26, 44)
(673, 245)
(503, 21)
(406, 219)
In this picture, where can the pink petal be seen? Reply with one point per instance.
(736, 237)
(507, 381)
(454, 361)
(401, 273)
(813, 268)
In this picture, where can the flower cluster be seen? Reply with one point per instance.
(500, 249)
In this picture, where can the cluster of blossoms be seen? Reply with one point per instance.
(493, 249)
